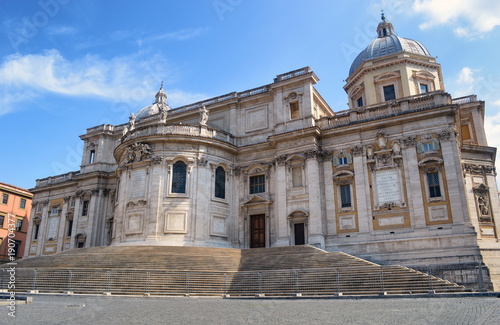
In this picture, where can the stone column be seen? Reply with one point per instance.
(413, 184)
(330, 204)
(316, 235)
(453, 172)
(29, 239)
(42, 230)
(76, 216)
(280, 210)
(62, 225)
(361, 185)
(202, 194)
(93, 215)
(494, 202)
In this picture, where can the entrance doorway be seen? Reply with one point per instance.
(299, 233)
(257, 231)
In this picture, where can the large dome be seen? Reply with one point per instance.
(387, 43)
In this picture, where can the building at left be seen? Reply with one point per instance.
(15, 210)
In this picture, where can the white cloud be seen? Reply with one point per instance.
(60, 30)
(468, 18)
(130, 79)
(466, 81)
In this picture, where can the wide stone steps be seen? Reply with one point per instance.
(218, 271)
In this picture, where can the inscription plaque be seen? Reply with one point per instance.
(387, 186)
(137, 184)
(52, 228)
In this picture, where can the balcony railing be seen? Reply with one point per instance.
(174, 129)
(56, 179)
(365, 113)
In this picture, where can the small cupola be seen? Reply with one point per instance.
(385, 28)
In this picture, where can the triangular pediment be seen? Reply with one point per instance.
(257, 199)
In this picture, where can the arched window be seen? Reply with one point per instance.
(220, 183)
(179, 177)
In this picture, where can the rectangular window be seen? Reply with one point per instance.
(424, 88)
(179, 177)
(70, 228)
(19, 224)
(360, 101)
(389, 93)
(428, 147)
(5, 198)
(39, 208)
(345, 196)
(433, 183)
(85, 208)
(54, 210)
(36, 229)
(466, 132)
(22, 204)
(297, 176)
(2, 219)
(220, 183)
(294, 110)
(343, 160)
(92, 156)
(257, 184)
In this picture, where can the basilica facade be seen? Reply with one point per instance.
(403, 176)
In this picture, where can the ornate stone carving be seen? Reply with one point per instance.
(311, 154)
(446, 134)
(483, 205)
(138, 151)
(381, 139)
(79, 193)
(410, 141)
(202, 161)
(45, 203)
(280, 160)
(479, 169)
(326, 154)
(131, 204)
(156, 160)
(369, 152)
(105, 192)
(357, 150)
(396, 147)
(67, 198)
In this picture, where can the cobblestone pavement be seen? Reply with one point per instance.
(81, 309)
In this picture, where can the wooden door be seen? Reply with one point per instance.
(257, 231)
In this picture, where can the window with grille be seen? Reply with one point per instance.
(5, 198)
(179, 172)
(345, 196)
(257, 184)
(433, 183)
(220, 183)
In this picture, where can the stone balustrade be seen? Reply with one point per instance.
(56, 179)
(406, 104)
(173, 129)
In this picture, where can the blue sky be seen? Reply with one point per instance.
(67, 65)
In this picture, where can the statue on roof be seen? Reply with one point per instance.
(203, 115)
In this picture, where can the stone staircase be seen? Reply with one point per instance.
(162, 270)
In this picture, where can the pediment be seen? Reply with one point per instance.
(257, 199)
